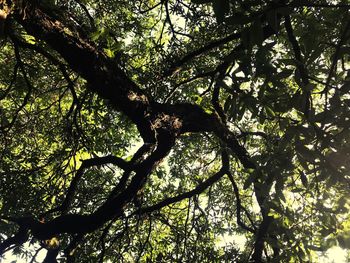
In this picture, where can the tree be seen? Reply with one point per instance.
(148, 130)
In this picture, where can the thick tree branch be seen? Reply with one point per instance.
(103, 74)
(159, 125)
(18, 239)
(110, 82)
(260, 238)
(112, 208)
(51, 255)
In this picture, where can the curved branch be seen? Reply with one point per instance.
(112, 208)
(300, 64)
(88, 163)
(240, 207)
(191, 55)
(26, 98)
(199, 189)
(91, 19)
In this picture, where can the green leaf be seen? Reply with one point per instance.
(29, 39)
(109, 52)
(269, 111)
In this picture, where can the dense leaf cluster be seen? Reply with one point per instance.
(166, 131)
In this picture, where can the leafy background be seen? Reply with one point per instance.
(286, 95)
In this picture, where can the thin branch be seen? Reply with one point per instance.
(216, 93)
(13, 79)
(38, 49)
(260, 238)
(201, 75)
(152, 7)
(239, 207)
(297, 51)
(336, 57)
(200, 51)
(171, 200)
(35, 255)
(135, 160)
(267, 30)
(91, 19)
(52, 59)
(28, 94)
(300, 64)
(199, 189)
(171, 24)
(97, 161)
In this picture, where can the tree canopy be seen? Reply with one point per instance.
(165, 130)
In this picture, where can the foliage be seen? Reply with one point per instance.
(162, 131)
